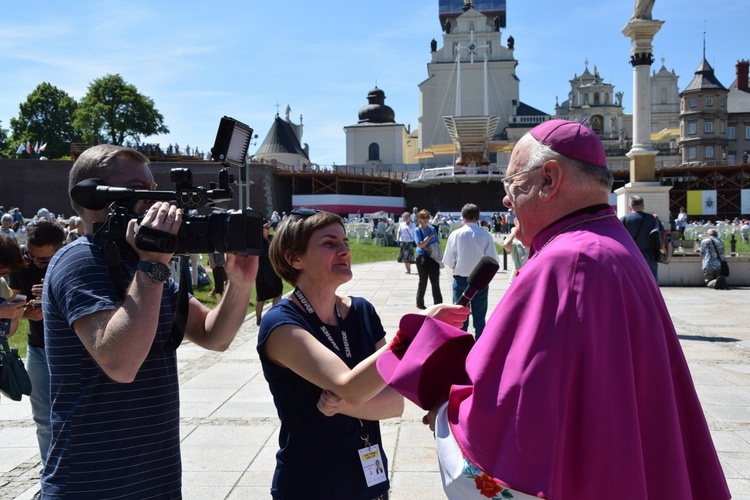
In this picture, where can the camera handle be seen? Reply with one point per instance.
(155, 240)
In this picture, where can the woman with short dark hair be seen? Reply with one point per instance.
(318, 352)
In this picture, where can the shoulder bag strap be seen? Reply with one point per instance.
(716, 250)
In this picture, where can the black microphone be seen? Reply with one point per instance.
(479, 279)
(95, 195)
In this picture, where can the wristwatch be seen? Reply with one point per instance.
(158, 272)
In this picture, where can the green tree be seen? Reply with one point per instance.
(113, 111)
(46, 117)
(3, 142)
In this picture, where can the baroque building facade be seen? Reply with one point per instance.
(470, 116)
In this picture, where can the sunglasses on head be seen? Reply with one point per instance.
(303, 213)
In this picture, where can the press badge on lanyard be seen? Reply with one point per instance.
(371, 459)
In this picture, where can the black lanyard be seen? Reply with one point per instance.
(309, 308)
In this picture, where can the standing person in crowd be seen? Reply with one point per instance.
(76, 229)
(318, 352)
(681, 222)
(510, 220)
(275, 219)
(216, 261)
(43, 214)
(712, 255)
(428, 267)
(43, 240)
(6, 223)
(11, 261)
(268, 286)
(503, 224)
(640, 224)
(463, 251)
(405, 238)
(497, 225)
(565, 399)
(111, 335)
(518, 253)
(17, 215)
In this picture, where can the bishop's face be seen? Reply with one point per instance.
(522, 193)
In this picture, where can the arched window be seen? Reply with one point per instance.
(373, 152)
(596, 99)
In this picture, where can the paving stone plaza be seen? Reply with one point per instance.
(229, 425)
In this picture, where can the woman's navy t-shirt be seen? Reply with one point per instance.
(319, 454)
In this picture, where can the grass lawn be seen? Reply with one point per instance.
(361, 254)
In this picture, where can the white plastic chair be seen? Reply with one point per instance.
(363, 231)
(380, 239)
(351, 231)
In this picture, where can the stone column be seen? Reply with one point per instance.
(641, 33)
(642, 155)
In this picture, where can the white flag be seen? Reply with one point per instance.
(709, 202)
(21, 149)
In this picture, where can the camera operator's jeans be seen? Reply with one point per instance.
(36, 366)
(478, 305)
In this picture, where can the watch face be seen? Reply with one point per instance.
(158, 272)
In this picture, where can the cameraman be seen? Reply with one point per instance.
(111, 348)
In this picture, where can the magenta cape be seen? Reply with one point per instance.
(579, 388)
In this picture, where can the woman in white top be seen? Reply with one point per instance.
(405, 236)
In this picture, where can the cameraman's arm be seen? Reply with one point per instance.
(216, 328)
(120, 339)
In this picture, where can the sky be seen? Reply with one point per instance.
(249, 59)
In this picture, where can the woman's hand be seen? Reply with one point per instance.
(451, 314)
(431, 416)
(330, 404)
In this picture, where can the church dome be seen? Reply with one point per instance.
(376, 111)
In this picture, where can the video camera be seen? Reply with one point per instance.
(238, 232)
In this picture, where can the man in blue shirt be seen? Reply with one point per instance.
(111, 336)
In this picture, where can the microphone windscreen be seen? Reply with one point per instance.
(85, 194)
(483, 273)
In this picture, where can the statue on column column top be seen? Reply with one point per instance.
(642, 9)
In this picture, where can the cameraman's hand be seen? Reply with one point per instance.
(241, 269)
(161, 216)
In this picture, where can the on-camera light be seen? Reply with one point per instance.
(232, 141)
